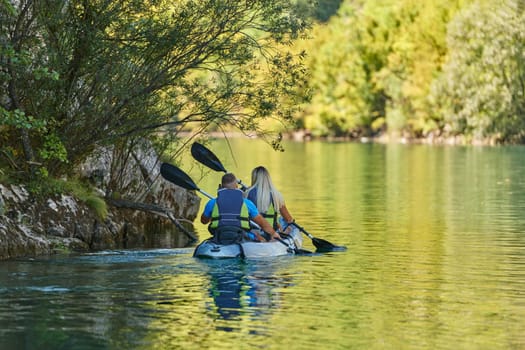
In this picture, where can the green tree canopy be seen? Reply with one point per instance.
(481, 93)
(77, 74)
(373, 64)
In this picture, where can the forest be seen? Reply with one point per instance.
(419, 69)
(79, 75)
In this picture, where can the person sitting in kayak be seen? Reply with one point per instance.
(230, 213)
(268, 200)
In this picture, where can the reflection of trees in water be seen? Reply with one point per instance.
(245, 287)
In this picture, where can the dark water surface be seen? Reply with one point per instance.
(435, 260)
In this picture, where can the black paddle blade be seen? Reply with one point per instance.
(206, 157)
(321, 244)
(325, 246)
(177, 176)
(300, 251)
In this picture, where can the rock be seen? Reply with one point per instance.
(30, 227)
(2, 205)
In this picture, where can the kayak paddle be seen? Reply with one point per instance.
(321, 244)
(208, 158)
(180, 178)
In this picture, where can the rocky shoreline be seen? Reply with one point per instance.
(147, 212)
(65, 224)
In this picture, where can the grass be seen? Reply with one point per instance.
(42, 187)
(86, 194)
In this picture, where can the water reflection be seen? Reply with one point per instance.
(226, 284)
(435, 260)
(242, 288)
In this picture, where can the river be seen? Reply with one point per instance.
(435, 260)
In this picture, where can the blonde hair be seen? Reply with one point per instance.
(266, 191)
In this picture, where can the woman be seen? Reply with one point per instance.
(268, 200)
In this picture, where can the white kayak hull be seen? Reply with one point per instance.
(250, 250)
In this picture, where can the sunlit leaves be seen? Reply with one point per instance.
(373, 65)
(481, 92)
(98, 71)
(18, 119)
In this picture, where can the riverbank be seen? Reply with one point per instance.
(62, 224)
(139, 209)
(383, 138)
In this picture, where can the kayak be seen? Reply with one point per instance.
(288, 245)
(246, 249)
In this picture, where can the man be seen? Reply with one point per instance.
(230, 213)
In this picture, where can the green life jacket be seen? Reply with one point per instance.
(230, 210)
(271, 214)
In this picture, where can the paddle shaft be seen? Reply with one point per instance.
(205, 193)
(302, 230)
(208, 158)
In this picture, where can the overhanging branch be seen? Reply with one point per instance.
(155, 209)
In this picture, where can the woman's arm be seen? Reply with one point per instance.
(286, 214)
(265, 226)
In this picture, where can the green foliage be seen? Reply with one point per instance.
(92, 73)
(480, 93)
(41, 185)
(97, 204)
(19, 120)
(345, 96)
(60, 248)
(372, 66)
(321, 10)
(53, 148)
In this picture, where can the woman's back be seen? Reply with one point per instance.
(263, 192)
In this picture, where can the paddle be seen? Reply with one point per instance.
(321, 244)
(180, 178)
(206, 157)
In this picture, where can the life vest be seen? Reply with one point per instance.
(230, 210)
(270, 214)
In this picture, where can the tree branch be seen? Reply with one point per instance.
(155, 209)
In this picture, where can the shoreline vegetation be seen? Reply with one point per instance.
(109, 202)
(122, 78)
(306, 136)
(431, 73)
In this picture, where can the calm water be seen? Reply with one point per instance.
(435, 260)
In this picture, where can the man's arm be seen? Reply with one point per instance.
(206, 214)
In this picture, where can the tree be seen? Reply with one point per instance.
(481, 93)
(345, 99)
(372, 66)
(82, 73)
